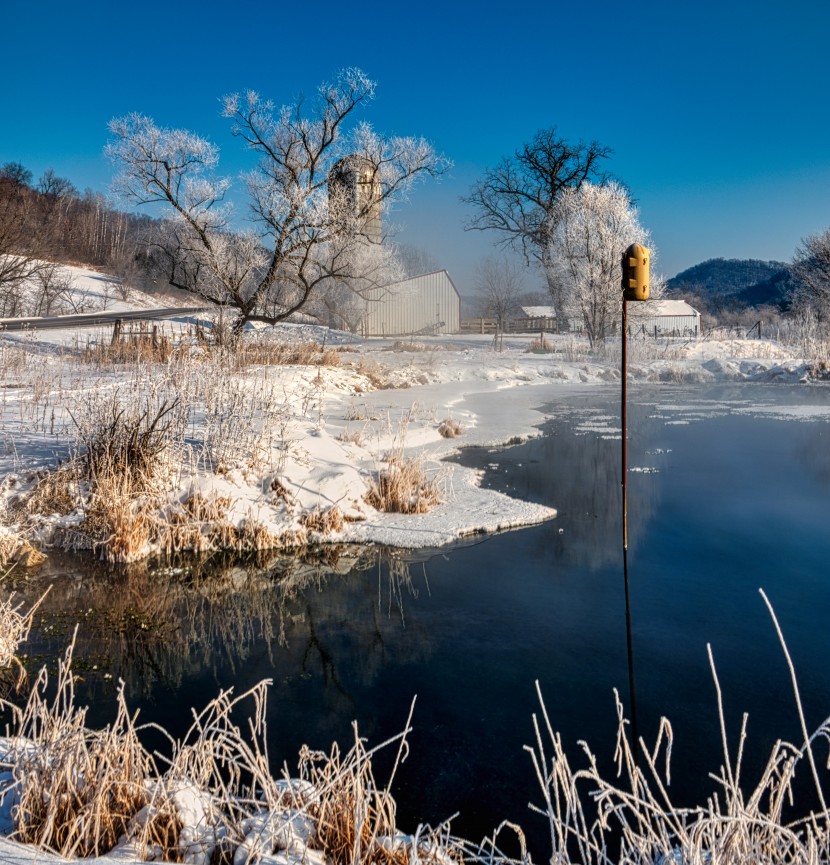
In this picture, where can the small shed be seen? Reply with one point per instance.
(426, 304)
(664, 318)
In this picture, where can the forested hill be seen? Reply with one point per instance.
(741, 282)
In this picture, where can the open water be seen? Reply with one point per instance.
(728, 491)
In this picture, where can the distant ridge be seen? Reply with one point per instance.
(738, 282)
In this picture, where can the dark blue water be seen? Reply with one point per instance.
(728, 491)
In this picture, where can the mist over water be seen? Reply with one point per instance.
(728, 491)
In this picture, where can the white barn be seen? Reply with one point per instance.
(664, 318)
(654, 318)
(426, 304)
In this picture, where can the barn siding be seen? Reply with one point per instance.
(671, 317)
(427, 302)
(682, 325)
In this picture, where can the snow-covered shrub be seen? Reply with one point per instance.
(807, 334)
(125, 440)
(127, 435)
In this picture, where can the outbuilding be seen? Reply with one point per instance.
(426, 304)
(664, 318)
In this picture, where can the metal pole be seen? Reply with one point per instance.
(624, 450)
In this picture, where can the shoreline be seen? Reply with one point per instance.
(283, 456)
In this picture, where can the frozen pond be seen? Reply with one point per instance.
(729, 491)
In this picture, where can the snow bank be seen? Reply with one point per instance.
(279, 446)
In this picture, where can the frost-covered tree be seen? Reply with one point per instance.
(299, 239)
(811, 269)
(591, 227)
(416, 260)
(517, 199)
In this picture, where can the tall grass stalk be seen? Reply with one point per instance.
(76, 789)
(632, 819)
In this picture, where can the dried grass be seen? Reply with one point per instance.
(374, 372)
(403, 487)
(118, 517)
(77, 789)
(254, 535)
(450, 428)
(355, 816)
(191, 524)
(213, 799)
(9, 543)
(327, 521)
(136, 346)
(637, 820)
(116, 477)
(15, 625)
(820, 371)
(540, 345)
(55, 492)
(274, 352)
(411, 346)
(201, 523)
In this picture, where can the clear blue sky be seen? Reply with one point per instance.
(717, 112)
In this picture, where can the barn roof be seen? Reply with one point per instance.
(659, 308)
(415, 281)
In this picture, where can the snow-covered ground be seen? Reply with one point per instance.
(277, 443)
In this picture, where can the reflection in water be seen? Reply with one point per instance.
(725, 501)
(575, 467)
(154, 624)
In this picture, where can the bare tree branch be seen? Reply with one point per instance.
(302, 239)
(517, 199)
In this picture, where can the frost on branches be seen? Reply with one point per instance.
(591, 227)
(300, 241)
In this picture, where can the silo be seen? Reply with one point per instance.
(355, 193)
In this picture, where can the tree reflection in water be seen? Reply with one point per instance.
(155, 624)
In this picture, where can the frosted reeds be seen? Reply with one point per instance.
(632, 818)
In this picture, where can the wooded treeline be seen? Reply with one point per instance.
(49, 220)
